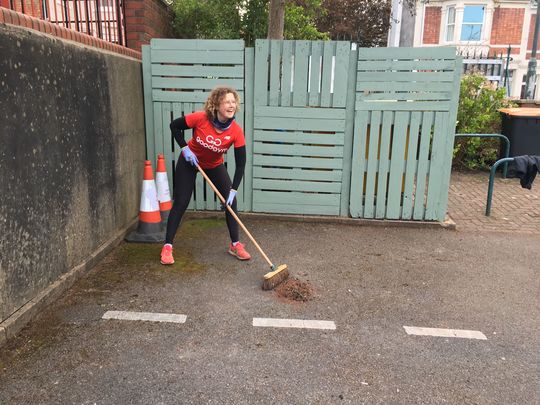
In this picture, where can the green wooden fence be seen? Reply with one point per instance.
(299, 126)
(406, 106)
(330, 130)
(177, 77)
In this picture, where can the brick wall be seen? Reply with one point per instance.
(432, 25)
(146, 19)
(507, 26)
(503, 50)
(531, 33)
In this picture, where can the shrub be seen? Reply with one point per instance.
(479, 102)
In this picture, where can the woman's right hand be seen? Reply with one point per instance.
(189, 156)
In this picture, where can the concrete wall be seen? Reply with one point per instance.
(72, 147)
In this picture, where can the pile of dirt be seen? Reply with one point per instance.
(295, 290)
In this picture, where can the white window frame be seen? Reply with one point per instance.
(482, 24)
(448, 24)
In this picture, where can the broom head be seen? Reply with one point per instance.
(276, 277)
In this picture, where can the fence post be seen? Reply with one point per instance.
(349, 134)
(447, 160)
(249, 83)
(148, 107)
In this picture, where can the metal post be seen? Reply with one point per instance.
(118, 23)
(531, 70)
(506, 81)
(491, 181)
(66, 17)
(43, 7)
(76, 7)
(88, 20)
(124, 28)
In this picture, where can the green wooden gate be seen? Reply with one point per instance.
(406, 106)
(299, 126)
(178, 76)
(330, 130)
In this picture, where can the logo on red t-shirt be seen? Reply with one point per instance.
(211, 142)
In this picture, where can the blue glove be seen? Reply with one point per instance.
(189, 156)
(230, 198)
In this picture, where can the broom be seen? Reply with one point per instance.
(278, 274)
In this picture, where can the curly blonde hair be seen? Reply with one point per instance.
(212, 102)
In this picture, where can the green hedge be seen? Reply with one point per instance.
(479, 102)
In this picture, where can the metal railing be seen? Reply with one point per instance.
(504, 141)
(104, 19)
(493, 67)
(504, 161)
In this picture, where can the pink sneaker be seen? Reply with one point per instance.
(166, 255)
(239, 251)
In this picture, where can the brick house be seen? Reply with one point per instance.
(478, 25)
(130, 23)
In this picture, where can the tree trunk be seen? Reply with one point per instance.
(276, 18)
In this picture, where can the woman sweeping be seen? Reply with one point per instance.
(214, 132)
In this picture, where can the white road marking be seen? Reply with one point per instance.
(293, 323)
(458, 333)
(144, 316)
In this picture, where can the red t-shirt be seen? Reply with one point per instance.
(209, 145)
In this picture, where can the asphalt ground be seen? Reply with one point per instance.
(369, 281)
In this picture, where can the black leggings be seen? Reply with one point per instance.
(184, 182)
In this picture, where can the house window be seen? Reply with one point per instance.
(450, 23)
(471, 28)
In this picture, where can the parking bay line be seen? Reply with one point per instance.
(293, 323)
(144, 316)
(457, 333)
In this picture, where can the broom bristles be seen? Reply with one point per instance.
(276, 277)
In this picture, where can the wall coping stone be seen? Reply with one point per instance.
(11, 17)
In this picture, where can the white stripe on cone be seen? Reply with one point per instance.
(162, 183)
(149, 201)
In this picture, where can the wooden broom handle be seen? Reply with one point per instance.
(234, 215)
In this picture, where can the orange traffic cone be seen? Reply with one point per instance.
(149, 229)
(163, 194)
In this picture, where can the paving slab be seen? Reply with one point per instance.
(514, 209)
